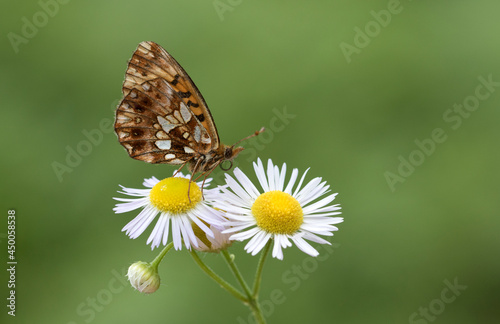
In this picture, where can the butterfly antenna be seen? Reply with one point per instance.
(250, 136)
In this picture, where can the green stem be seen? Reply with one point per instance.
(237, 273)
(258, 274)
(253, 299)
(257, 312)
(156, 262)
(233, 291)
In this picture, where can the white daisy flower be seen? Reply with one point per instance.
(279, 213)
(169, 199)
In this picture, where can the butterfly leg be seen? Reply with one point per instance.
(179, 170)
(206, 174)
(193, 172)
(190, 180)
(189, 189)
(202, 185)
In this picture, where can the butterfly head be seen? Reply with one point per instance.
(230, 152)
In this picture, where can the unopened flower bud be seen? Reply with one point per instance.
(144, 277)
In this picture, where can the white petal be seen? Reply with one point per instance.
(318, 228)
(277, 251)
(238, 218)
(270, 175)
(304, 246)
(176, 233)
(130, 205)
(135, 192)
(233, 210)
(241, 236)
(236, 228)
(261, 175)
(323, 209)
(280, 184)
(127, 199)
(293, 178)
(208, 214)
(229, 197)
(300, 184)
(166, 230)
(150, 182)
(316, 193)
(262, 242)
(250, 247)
(202, 226)
(315, 238)
(143, 214)
(285, 242)
(236, 188)
(247, 184)
(205, 183)
(157, 232)
(257, 242)
(211, 194)
(306, 191)
(140, 222)
(188, 233)
(320, 219)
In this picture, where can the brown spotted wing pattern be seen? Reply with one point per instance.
(163, 118)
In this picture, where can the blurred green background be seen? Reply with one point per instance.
(359, 84)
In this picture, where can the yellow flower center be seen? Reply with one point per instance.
(171, 195)
(278, 212)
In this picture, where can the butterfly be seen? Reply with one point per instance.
(163, 117)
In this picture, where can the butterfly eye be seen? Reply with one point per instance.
(227, 168)
(228, 153)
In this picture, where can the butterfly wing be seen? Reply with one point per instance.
(151, 61)
(162, 118)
